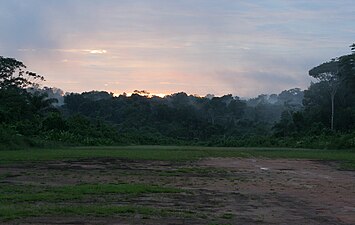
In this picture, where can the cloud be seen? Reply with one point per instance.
(200, 46)
(252, 83)
(96, 51)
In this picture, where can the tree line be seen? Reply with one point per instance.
(321, 116)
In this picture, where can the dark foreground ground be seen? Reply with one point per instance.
(206, 191)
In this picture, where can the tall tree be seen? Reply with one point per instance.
(329, 74)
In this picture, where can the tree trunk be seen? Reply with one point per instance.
(334, 89)
(332, 116)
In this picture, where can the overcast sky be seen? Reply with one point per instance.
(164, 46)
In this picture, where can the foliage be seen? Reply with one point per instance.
(12, 74)
(31, 116)
(181, 117)
(347, 69)
(328, 104)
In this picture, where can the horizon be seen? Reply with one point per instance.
(165, 47)
(148, 94)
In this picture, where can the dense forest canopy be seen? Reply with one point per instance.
(31, 115)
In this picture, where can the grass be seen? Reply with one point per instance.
(347, 166)
(5, 175)
(10, 212)
(28, 193)
(204, 171)
(15, 211)
(20, 201)
(112, 199)
(227, 216)
(174, 153)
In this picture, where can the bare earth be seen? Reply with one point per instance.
(219, 190)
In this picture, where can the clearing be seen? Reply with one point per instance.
(177, 185)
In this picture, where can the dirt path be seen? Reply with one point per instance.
(301, 188)
(217, 190)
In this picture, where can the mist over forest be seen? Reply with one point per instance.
(322, 116)
(189, 117)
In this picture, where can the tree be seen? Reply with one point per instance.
(292, 98)
(347, 67)
(12, 74)
(339, 72)
(21, 108)
(329, 74)
(285, 126)
(41, 103)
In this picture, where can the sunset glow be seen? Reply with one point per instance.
(161, 95)
(240, 47)
(97, 51)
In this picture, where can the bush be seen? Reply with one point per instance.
(10, 139)
(67, 137)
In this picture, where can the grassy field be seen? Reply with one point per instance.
(21, 201)
(158, 183)
(175, 153)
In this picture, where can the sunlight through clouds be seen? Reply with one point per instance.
(142, 43)
(96, 51)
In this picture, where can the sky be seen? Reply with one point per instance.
(201, 47)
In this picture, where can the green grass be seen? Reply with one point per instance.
(21, 201)
(227, 216)
(5, 175)
(347, 166)
(10, 212)
(201, 171)
(15, 211)
(173, 153)
(28, 193)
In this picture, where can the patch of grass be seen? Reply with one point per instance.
(182, 213)
(20, 201)
(204, 171)
(10, 212)
(227, 216)
(347, 166)
(133, 153)
(21, 193)
(6, 175)
(173, 153)
(15, 211)
(117, 189)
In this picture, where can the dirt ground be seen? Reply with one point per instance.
(218, 190)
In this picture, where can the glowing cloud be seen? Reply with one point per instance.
(97, 51)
